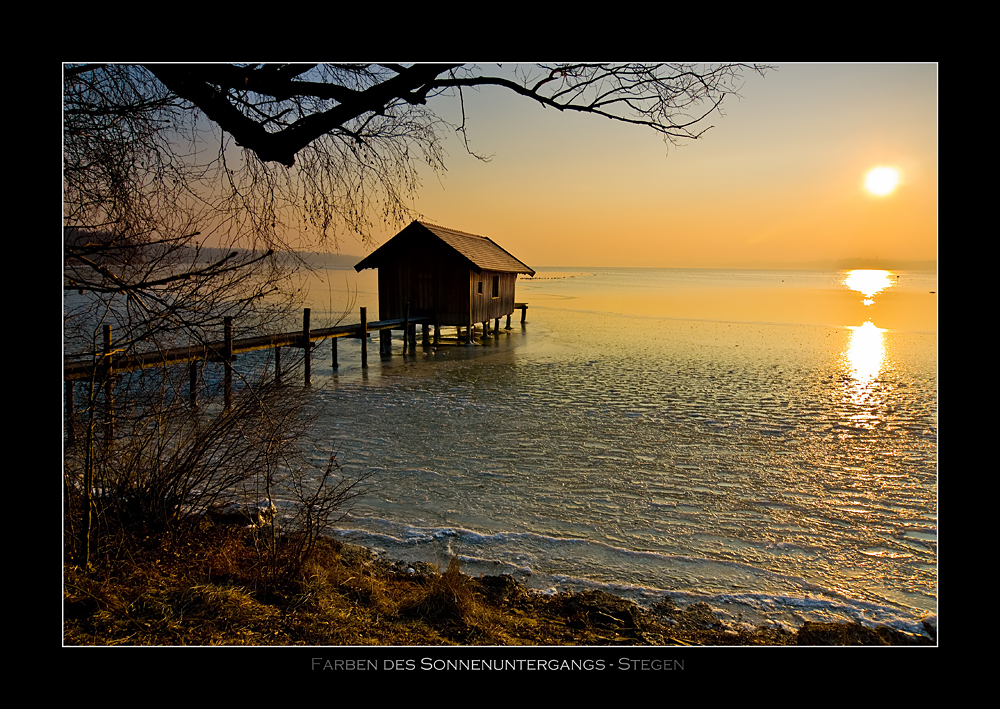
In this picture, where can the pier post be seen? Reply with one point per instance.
(364, 338)
(306, 346)
(406, 325)
(277, 365)
(508, 322)
(486, 329)
(437, 331)
(425, 334)
(496, 327)
(411, 333)
(227, 358)
(385, 342)
(333, 347)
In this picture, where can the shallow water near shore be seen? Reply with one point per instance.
(765, 441)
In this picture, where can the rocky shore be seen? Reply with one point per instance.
(350, 596)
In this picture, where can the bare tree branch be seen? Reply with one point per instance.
(160, 160)
(189, 82)
(149, 161)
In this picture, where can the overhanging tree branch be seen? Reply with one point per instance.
(351, 138)
(190, 82)
(148, 166)
(655, 96)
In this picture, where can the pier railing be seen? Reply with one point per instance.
(220, 351)
(103, 367)
(111, 361)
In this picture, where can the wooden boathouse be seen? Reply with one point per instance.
(445, 276)
(427, 275)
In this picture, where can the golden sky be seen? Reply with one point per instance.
(779, 179)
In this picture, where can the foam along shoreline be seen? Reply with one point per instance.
(690, 619)
(786, 610)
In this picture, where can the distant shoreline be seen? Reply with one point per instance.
(317, 259)
(336, 261)
(841, 265)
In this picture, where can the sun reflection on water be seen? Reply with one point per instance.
(865, 352)
(865, 355)
(869, 282)
(865, 404)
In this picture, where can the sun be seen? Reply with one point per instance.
(881, 180)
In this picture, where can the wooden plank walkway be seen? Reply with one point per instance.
(111, 361)
(215, 351)
(101, 369)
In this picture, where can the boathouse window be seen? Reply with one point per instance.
(480, 291)
(496, 286)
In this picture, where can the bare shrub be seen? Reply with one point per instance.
(170, 470)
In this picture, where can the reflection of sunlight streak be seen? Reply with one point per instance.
(868, 282)
(865, 356)
(866, 351)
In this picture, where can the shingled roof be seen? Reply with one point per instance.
(482, 252)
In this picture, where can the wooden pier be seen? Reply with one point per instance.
(226, 349)
(111, 362)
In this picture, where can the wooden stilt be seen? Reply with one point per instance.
(277, 365)
(496, 327)
(364, 338)
(307, 346)
(437, 332)
(406, 325)
(385, 342)
(425, 335)
(333, 348)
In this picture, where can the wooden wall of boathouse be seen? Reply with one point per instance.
(426, 279)
(491, 295)
(452, 277)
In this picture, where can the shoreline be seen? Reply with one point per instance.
(740, 593)
(699, 621)
(348, 595)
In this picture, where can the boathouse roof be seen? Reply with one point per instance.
(481, 252)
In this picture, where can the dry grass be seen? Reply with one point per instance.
(456, 605)
(213, 591)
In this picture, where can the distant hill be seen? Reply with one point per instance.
(324, 260)
(315, 259)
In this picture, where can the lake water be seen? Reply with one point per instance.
(764, 441)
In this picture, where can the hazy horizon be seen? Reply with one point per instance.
(342, 260)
